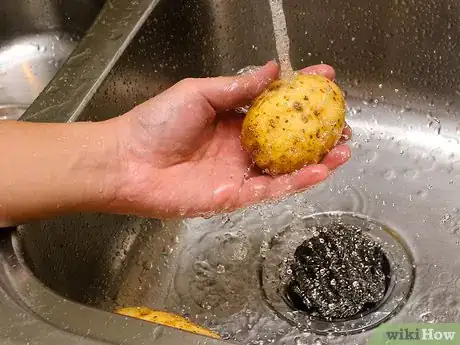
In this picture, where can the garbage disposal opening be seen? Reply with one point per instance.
(337, 273)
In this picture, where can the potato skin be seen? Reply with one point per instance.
(294, 123)
(166, 319)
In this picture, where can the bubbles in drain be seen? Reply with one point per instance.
(381, 268)
(337, 273)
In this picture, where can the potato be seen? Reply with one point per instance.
(166, 319)
(293, 123)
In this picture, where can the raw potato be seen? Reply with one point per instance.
(166, 319)
(294, 123)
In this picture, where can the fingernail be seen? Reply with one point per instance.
(345, 153)
(348, 153)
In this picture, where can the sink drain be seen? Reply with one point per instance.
(358, 304)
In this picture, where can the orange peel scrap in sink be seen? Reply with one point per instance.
(166, 319)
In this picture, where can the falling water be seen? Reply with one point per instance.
(281, 37)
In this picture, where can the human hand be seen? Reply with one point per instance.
(180, 152)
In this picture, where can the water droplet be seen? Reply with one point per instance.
(411, 174)
(445, 218)
(389, 175)
(422, 194)
(148, 265)
(427, 317)
(317, 341)
(445, 278)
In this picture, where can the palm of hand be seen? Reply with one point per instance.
(193, 147)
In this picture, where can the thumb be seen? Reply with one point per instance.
(224, 93)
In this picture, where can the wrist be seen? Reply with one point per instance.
(119, 167)
(129, 177)
(100, 167)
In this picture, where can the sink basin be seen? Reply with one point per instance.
(397, 62)
(36, 37)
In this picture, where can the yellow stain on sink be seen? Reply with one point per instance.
(166, 319)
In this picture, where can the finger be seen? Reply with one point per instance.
(324, 70)
(347, 134)
(336, 157)
(264, 187)
(224, 93)
(300, 180)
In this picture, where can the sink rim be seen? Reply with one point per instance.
(60, 101)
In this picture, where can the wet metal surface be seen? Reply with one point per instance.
(397, 62)
(36, 37)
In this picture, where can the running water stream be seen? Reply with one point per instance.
(281, 37)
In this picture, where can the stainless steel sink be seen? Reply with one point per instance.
(36, 37)
(397, 62)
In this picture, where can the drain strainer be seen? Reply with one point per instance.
(276, 274)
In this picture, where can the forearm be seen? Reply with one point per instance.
(52, 169)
